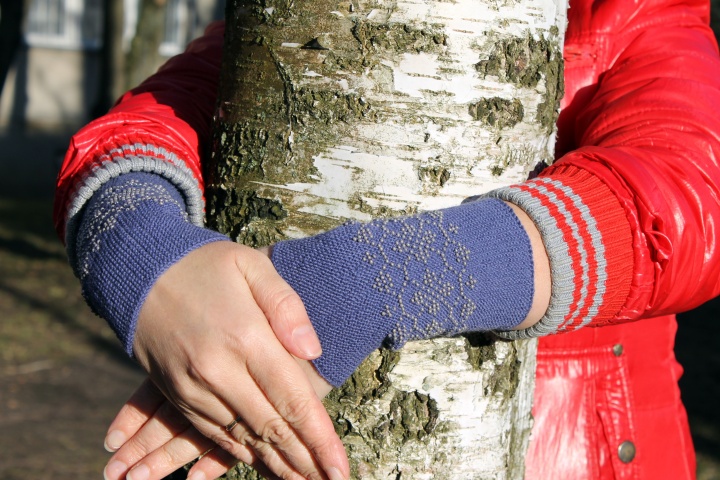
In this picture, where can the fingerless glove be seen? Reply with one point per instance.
(132, 230)
(381, 283)
(440, 273)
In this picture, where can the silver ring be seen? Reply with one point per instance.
(232, 424)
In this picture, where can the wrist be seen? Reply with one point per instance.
(542, 280)
(133, 229)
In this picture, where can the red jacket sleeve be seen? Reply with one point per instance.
(651, 134)
(630, 215)
(162, 126)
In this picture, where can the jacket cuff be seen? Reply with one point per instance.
(588, 241)
(126, 159)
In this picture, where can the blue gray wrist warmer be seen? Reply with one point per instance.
(465, 268)
(132, 230)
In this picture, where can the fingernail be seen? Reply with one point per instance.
(335, 474)
(114, 470)
(114, 440)
(139, 473)
(197, 475)
(306, 340)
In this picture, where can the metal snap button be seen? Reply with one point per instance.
(617, 349)
(626, 451)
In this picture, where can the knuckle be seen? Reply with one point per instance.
(297, 410)
(139, 447)
(290, 475)
(241, 437)
(225, 443)
(277, 432)
(314, 475)
(287, 303)
(171, 457)
(257, 444)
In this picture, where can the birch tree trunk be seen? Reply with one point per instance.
(353, 109)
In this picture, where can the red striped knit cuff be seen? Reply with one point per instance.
(588, 241)
(125, 159)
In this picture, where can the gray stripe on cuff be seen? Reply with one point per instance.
(563, 285)
(597, 244)
(121, 161)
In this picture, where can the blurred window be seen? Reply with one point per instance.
(72, 24)
(180, 24)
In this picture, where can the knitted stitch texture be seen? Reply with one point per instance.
(588, 241)
(132, 230)
(441, 273)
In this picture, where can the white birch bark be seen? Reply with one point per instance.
(352, 109)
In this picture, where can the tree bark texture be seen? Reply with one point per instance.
(332, 110)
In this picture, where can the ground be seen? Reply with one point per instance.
(62, 373)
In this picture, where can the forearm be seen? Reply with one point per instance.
(131, 231)
(160, 127)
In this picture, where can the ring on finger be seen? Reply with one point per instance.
(232, 424)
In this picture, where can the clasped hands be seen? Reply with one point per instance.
(223, 338)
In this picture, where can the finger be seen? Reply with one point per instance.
(282, 307)
(287, 386)
(214, 464)
(278, 446)
(166, 424)
(179, 451)
(284, 412)
(279, 449)
(159, 449)
(211, 417)
(300, 412)
(217, 462)
(132, 416)
(241, 443)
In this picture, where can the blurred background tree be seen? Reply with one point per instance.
(11, 21)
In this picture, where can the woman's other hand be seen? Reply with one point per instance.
(217, 335)
(150, 432)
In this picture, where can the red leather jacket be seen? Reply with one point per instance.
(640, 113)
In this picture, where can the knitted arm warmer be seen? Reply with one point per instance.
(388, 281)
(465, 268)
(133, 228)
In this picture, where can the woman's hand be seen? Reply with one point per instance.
(161, 440)
(209, 334)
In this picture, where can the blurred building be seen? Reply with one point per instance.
(56, 79)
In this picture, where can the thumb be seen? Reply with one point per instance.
(282, 307)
